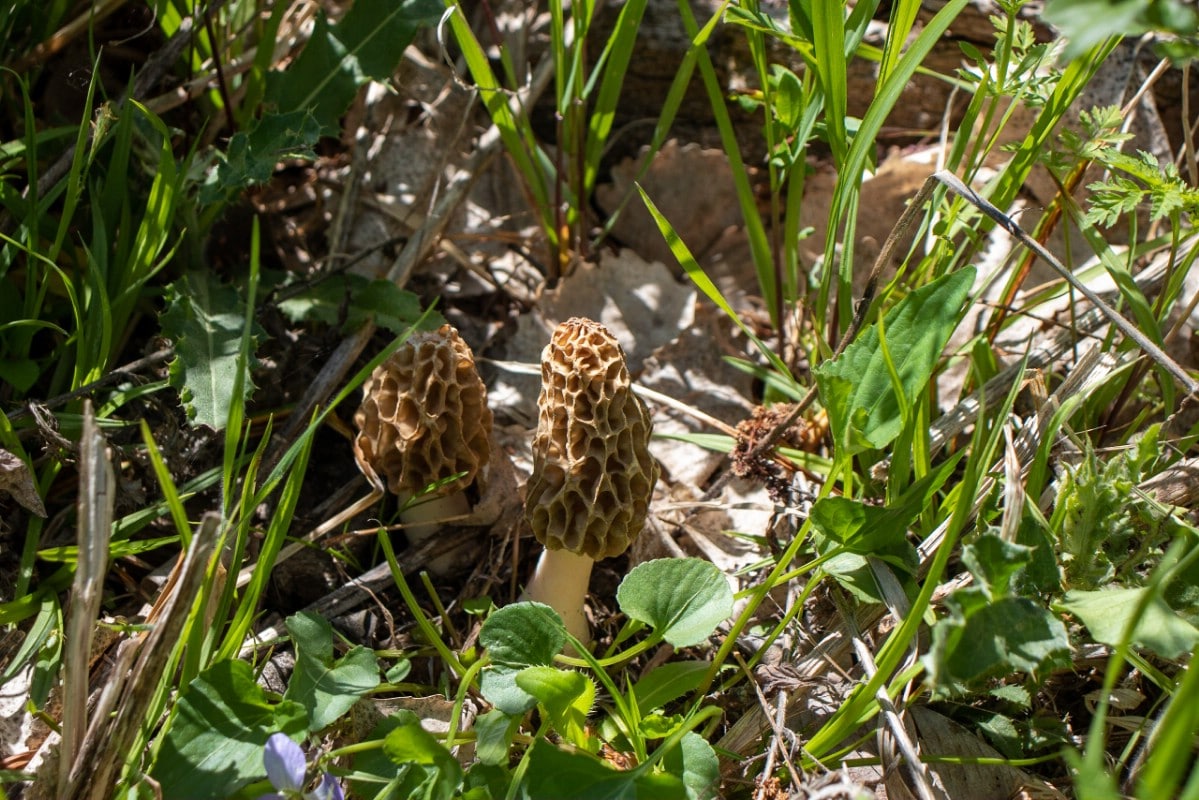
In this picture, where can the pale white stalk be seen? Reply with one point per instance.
(426, 517)
(560, 581)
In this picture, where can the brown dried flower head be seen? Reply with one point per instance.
(592, 471)
(424, 416)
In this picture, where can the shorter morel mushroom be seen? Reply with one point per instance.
(424, 419)
(593, 474)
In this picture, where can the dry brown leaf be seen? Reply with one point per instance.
(17, 481)
(938, 735)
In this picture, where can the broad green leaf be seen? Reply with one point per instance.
(857, 527)
(518, 636)
(695, 760)
(352, 300)
(554, 774)
(439, 775)
(523, 635)
(567, 697)
(410, 764)
(857, 530)
(1108, 612)
(789, 99)
(854, 574)
(493, 736)
(982, 639)
(1087, 22)
(856, 387)
(325, 687)
(20, 373)
(366, 44)
(668, 682)
(217, 735)
(1042, 574)
(205, 319)
(995, 562)
(657, 726)
(683, 599)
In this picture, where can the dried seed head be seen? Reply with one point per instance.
(424, 416)
(592, 471)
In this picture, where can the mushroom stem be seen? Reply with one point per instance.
(424, 518)
(560, 581)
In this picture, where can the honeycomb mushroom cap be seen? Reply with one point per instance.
(424, 416)
(592, 471)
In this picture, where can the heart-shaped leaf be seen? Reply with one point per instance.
(683, 599)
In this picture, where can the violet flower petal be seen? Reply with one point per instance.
(329, 789)
(284, 762)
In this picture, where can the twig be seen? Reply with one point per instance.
(96, 496)
(126, 371)
(124, 702)
(1127, 328)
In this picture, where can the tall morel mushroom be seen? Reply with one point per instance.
(424, 418)
(593, 474)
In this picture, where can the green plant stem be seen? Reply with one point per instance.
(418, 614)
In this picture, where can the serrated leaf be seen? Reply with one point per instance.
(365, 45)
(1107, 612)
(215, 743)
(856, 387)
(205, 319)
(567, 698)
(352, 300)
(252, 155)
(327, 688)
(683, 599)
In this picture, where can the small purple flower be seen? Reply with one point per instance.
(329, 789)
(285, 768)
(284, 761)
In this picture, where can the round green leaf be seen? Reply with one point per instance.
(523, 635)
(683, 599)
(518, 636)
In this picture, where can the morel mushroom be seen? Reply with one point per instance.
(592, 471)
(424, 418)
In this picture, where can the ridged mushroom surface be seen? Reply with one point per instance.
(592, 471)
(424, 416)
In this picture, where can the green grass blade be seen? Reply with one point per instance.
(1172, 739)
(756, 233)
(903, 17)
(516, 135)
(828, 27)
(170, 492)
(705, 285)
(849, 179)
(618, 52)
